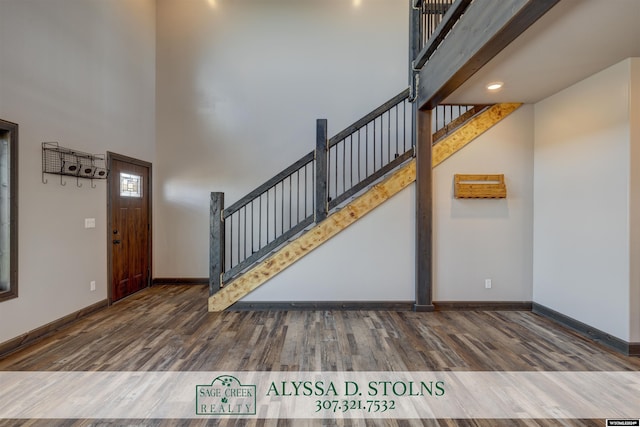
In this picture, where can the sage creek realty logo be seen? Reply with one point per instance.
(226, 396)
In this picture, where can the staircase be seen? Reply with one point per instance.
(327, 190)
(344, 178)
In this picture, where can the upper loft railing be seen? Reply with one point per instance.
(338, 169)
(431, 13)
(431, 22)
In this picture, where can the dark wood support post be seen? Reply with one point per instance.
(424, 212)
(216, 243)
(322, 191)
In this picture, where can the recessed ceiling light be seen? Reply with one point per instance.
(495, 86)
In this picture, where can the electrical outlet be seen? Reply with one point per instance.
(89, 223)
(92, 285)
(487, 283)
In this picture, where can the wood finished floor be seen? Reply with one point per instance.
(168, 328)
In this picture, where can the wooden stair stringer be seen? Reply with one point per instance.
(366, 202)
(304, 244)
(476, 126)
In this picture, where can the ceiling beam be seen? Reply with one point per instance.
(486, 28)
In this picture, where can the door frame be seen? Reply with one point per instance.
(115, 156)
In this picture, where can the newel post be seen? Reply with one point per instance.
(322, 192)
(216, 242)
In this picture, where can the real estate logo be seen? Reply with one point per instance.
(226, 396)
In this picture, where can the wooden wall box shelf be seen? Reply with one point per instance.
(480, 186)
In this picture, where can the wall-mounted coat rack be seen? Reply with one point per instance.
(480, 187)
(65, 162)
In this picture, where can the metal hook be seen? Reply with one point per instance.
(62, 183)
(78, 183)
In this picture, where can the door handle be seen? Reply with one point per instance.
(116, 242)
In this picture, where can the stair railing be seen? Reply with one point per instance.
(304, 193)
(448, 117)
(267, 217)
(368, 149)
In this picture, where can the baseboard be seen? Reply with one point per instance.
(37, 334)
(617, 344)
(483, 305)
(383, 305)
(323, 305)
(180, 281)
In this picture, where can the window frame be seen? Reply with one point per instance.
(11, 131)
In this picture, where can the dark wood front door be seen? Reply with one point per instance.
(129, 225)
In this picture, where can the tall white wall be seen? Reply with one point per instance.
(474, 240)
(478, 239)
(582, 193)
(371, 260)
(240, 86)
(634, 200)
(80, 73)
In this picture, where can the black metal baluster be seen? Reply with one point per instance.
(359, 154)
(253, 236)
(298, 195)
(366, 150)
(231, 241)
(344, 163)
(290, 202)
(306, 187)
(381, 141)
(374, 145)
(336, 180)
(329, 171)
(404, 121)
(244, 240)
(351, 161)
(260, 222)
(389, 136)
(397, 131)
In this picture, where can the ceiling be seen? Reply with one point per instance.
(574, 40)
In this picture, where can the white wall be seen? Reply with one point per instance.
(473, 239)
(240, 86)
(371, 260)
(581, 201)
(478, 239)
(634, 200)
(80, 73)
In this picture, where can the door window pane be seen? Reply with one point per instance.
(130, 185)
